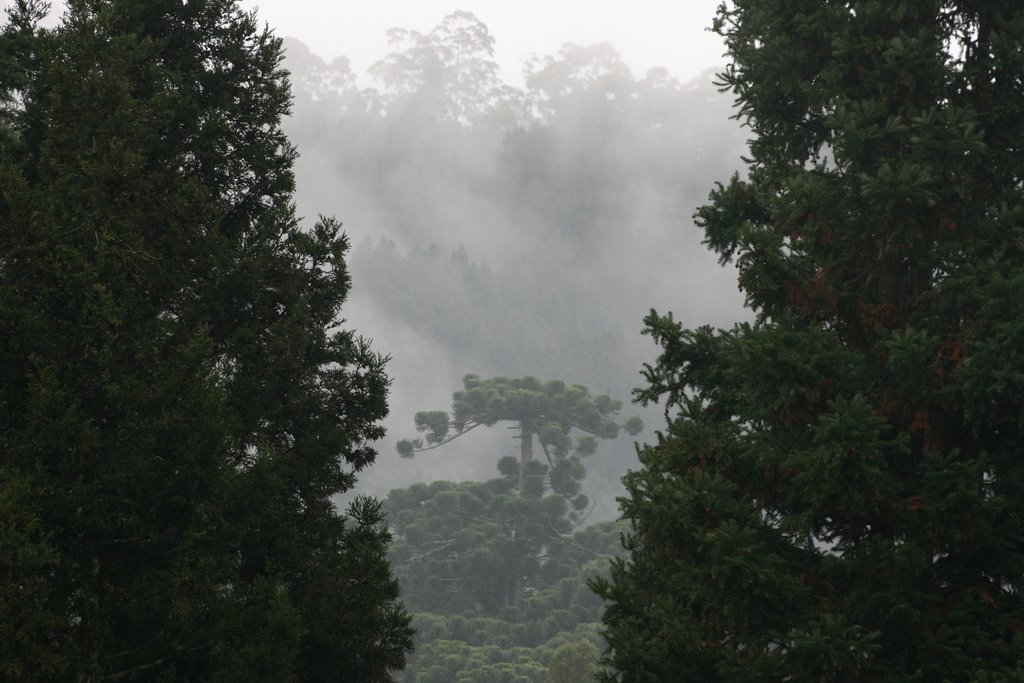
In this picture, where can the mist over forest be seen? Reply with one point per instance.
(242, 442)
(511, 231)
(516, 232)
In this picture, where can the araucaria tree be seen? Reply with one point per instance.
(177, 403)
(839, 493)
(548, 411)
(522, 519)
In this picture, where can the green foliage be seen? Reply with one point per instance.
(26, 559)
(460, 551)
(573, 663)
(838, 493)
(550, 411)
(177, 403)
(452, 661)
(495, 580)
(472, 546)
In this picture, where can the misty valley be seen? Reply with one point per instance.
(438, 374)
(510, 232)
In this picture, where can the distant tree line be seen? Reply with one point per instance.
(495, 573)
(528, 235)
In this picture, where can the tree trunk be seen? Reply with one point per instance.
(516, 589)
(525, 452)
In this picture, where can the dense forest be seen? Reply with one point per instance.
(496, 573)
(237, 444)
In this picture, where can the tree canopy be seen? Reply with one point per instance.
(486, 546)
(549, 411)
(178, 401)
(457, 548)
(492, 570)
(838, 493)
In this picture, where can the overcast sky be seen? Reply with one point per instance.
(647, 33)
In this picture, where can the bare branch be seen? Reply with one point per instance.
(448, 440)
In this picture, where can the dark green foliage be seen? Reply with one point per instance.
(491, 569)
(457, 549)
(26, 560)
(177, 405)
(467, 547)
(839, 492)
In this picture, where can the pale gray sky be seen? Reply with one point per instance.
(647, 33)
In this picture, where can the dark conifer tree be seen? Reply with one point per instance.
(178, 403)
(839, 492)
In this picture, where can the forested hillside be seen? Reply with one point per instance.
(497, 573)
(187, 409)
(504, 230)
(511, 231)
(241, 443)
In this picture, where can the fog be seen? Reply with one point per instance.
(503, 230)
(647, 33)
